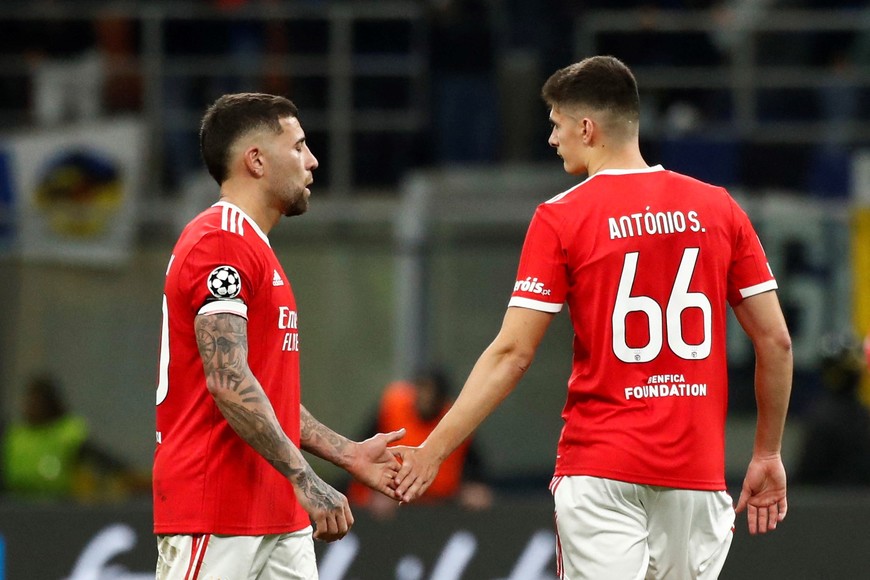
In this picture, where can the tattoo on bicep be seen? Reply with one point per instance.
(223, 346)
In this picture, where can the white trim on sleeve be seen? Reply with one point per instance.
(534, 304)
(758, 288)
(225, 306)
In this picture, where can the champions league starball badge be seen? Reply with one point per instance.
(224, 282)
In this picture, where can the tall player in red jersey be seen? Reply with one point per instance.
(233, 495)
(646, 260)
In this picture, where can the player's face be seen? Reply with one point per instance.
(567, 138)
(293, 168)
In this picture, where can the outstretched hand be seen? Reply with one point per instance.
(375, 465)
(764, 494)
(419, 468)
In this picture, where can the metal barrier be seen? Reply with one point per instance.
(332, 68)
(743, 73)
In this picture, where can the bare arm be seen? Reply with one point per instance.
(494, 376)
(223, 346)
(764, 488)
(368, 461)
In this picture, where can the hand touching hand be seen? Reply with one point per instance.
(764, 494)
(419, 468)
(375, 465)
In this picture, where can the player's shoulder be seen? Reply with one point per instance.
(223, 220)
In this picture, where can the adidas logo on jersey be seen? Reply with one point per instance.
(276, 279)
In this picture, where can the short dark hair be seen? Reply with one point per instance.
(232, 116)
(604, 83)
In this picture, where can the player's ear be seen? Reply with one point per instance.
(587, 130)
(254, 162)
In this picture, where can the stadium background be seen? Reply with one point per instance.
(408, 253)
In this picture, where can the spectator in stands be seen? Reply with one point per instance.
(49, 455)
(836, 449)
(417, 406)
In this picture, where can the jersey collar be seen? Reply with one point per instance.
(250, 221)
(629, 171)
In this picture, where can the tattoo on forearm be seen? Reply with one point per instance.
(318, 493)
(320, 439)
(260, 431)
(223, 347)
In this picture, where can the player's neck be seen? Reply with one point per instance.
(627, 157)
(248, 200)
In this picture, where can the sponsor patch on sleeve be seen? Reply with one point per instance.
(224, 282)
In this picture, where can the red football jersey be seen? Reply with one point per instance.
(206, 478)
(646, 261)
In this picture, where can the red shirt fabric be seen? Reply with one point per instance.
(646, 261)
(206, 478)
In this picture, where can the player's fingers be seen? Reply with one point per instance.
(416, 490)
(741, 503)
(334, 524)
(400, 453)
(394, 435)
(402, 477)
(752, 518)
(348, 517)
(783, 508)
(320, 528)
(772, 516)
(404, 484)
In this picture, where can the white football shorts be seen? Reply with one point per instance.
(612, 530)
(214, 557)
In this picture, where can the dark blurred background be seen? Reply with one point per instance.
(432, 141)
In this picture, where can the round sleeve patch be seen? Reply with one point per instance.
(224, 282)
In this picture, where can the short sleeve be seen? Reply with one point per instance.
(221, 273)
(749, 272)
(542, 282)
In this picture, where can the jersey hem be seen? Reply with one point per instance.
(702, 485)
(169, 530)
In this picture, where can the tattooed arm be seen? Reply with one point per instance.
(223, 346)
(369, 461)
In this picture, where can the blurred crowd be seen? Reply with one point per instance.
(486, 59)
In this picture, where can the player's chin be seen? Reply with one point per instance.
(299, 205)
(573, 169)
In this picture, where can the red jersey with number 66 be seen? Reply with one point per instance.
(646, 261)
(206, 478)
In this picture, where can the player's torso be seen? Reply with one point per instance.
(198, 454)
(648, 257)
(271, 312)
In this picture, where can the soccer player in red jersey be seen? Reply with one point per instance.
(646, 260)
(233, 495)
